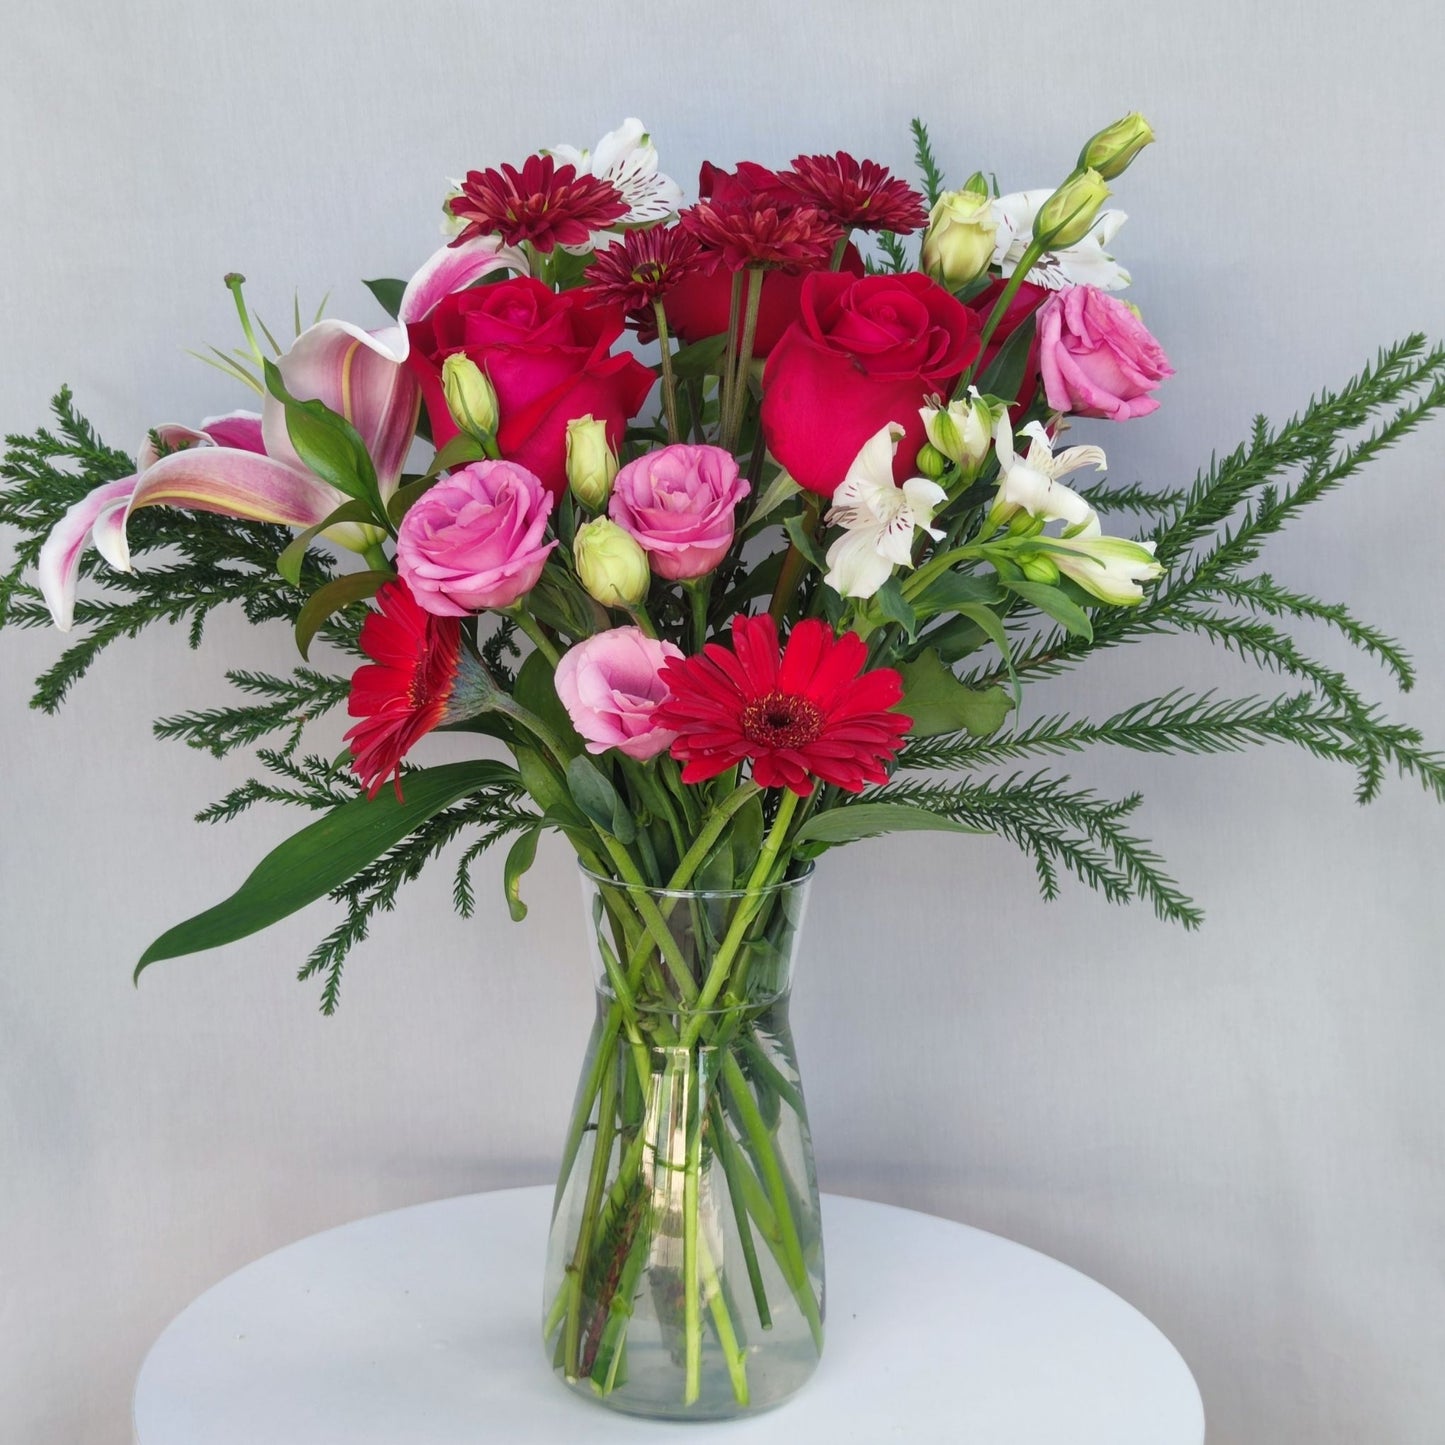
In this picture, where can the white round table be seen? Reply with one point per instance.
(422, 1327)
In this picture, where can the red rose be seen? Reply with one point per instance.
(1026, 301)
(547, 355)
(864, 352)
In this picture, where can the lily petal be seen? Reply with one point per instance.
(173, 437)
(59, 563)
(239, 429)
(356, 375)
(225, 480)
(452, 268)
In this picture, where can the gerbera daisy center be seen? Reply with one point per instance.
(782, 720)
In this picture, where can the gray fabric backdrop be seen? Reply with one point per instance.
(1238, 1130)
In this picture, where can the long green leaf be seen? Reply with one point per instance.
(867, 820)
(336, 594)
(324, 855)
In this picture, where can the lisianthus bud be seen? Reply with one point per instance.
(613, 568)
(1111, 151)
(963, 430)
(977, 184)
(470, 397)
(959, 242)
(1068, 215)
(591, 462)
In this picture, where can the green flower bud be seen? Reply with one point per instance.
(1037, 567)
(959, 242)
(1068, 215)
(1114, 148)
(931, 462)
(977, 184)
(470, 397)
(591, 462)
(613, 568)
(963, 430)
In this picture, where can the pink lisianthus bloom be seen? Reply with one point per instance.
(678, 503)
(611, 685)
(1096, 357)
(475, 540)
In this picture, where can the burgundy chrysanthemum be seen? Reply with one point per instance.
(856, 195)
(404, 692)
(544, 203)
(791, 238)
(798, 714)
(642, 267)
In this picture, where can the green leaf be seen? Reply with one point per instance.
(939, 703)
(802, 539)
(520, 858)
(779, 490)
(702, 358)
(892, 606)
(950, 591)
(537, 693)
(460, 449)
(991, 623)
(288, 564)
(1005, 373)
(388, 292)
(328, 445)
(599, 800)
(342, 592)
(868, 820)
(324, 855)
(1069, 615)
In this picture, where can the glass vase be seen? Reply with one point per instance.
(685, 1264)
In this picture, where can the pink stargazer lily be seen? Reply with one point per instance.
(243, 465)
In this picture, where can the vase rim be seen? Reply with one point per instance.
(602, 879)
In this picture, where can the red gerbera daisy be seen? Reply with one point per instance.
(642, 267)
(420, 676)
(544, 203)
(791, 238)
(859, 195)
(798, 714)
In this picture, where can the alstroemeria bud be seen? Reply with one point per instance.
(591, 462)
(963, 430)
(1068, 215)
(1037, 567)
(959, 242)
(931, 462)
(471, 399)
(1114, 148)
(613, 568)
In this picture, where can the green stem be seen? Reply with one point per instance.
(733, 1354)
(697, 595)
(669, 386)
(727, 1155)
(747, 908)
(795, 564)
(725, 366)
(376, 558)
(1026, 263)
(739, 401)
(596, 1178)
(691, 1283)
(535, 631)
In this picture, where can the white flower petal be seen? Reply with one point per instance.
(855, 568)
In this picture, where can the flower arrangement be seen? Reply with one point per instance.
(791, 604)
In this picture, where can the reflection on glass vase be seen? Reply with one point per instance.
(685, 1265)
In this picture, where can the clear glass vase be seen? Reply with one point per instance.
(685, 1264)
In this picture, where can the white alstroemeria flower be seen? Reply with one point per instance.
(627, 158)
(1084, 264)
(1031, 482)
(879, 516)
(1109, 568)
(962, 430)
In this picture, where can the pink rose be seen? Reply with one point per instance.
(611, 684)
(476, 539)
(1097, 357)
(678, 503)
